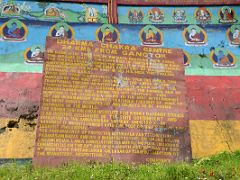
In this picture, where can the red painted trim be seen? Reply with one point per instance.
(177, 2)
(112, 12)
(85, 1)
(113, 4)
(161, 2)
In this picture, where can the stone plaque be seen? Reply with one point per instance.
(111, 102)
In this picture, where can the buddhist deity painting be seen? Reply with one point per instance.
(222, 58)
(179, 16)
(186, 58)
(203, 15)
(10, 9)
(34, 55)
(54, 13)
(227, 15)
(135, 15)
(151, 36)
(91, 15)
(156, 15)
(193, 35)
(62, 30)
(13, 30)
(233, 35)
(107, 34)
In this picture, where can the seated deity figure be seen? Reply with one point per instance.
(194, 36)
(227, 15)
(203, 15)
(236, 36)
(61, 32)
(222, 59)
(107, 35)
(13, 31)
(156, 15)
(179, 15)
(37, 55)
(151, 36)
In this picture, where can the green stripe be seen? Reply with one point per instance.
(199, 66)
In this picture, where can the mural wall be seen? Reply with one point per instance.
(208, 35)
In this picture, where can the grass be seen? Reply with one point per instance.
(224, 166)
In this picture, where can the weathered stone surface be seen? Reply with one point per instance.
(206, 136)
(19, 94)
(18, 141)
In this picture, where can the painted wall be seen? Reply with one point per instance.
(209, 36)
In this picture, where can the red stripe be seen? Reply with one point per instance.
(213, 98)
(209, 98)
(177, 2)
(161, 3)
(19, 90)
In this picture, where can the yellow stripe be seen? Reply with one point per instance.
(16, 143)
(209, 137)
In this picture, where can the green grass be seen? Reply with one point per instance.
(224, 166)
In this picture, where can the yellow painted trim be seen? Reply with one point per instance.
(96, 34)
(188, 56)
(25, 54)
(73, 32)
(1, 30)
(211, 57)
(50, 30)
(227, 34)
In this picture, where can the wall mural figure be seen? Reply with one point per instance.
(13, 30)
(135, 15)
(179, 16)
(156, 15)
(54, 13)
(34, 55)
(227, 15)
(62, 30)
(203, 15)
(222, 58)
(107, 34)
(10, 9)
(233, 35)
(151, 36)
(193, 35)
(186, 58)
(91, 15)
